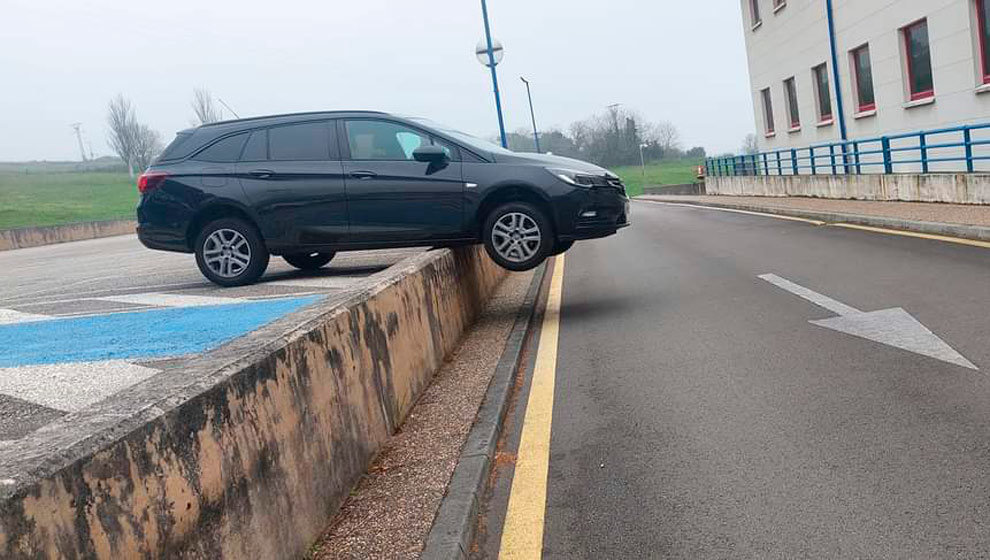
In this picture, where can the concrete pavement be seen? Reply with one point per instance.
(701, 411)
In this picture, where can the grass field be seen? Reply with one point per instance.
(677, 172)
(50, 198)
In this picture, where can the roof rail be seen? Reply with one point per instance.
(300, 114)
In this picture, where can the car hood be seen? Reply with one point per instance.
(552, 161)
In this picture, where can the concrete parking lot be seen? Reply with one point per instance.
(82, 321)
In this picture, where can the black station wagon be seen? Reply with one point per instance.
(308, 185)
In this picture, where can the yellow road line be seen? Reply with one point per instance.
(735, 211)
(947, 239)
(522, 535)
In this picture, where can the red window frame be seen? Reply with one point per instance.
(981, 20)
(754, 11)
(818, 72)
(862, 107)
(790, 96)
(767, 100)
(906, 37)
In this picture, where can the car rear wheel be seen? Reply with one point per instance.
(308, 261)
(230, 252)
(518, 236)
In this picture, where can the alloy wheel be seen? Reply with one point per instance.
(516, 237)
(227, 253)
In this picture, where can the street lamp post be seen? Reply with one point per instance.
(532, 114)
(642, 159)
(490, 48)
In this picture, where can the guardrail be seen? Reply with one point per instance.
(946, 149)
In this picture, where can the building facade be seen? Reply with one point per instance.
(897, 66)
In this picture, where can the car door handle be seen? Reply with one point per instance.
(363, 175)
(261, 173)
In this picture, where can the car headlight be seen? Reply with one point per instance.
(575, 178)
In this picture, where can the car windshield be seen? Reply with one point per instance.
(468, 140)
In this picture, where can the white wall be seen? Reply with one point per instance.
(793, 40)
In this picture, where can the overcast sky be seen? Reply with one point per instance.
(61, 62)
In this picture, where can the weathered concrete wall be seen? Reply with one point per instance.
(21, 238)
(263, 448)
(687, 189)
(958, 188)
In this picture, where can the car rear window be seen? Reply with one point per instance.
(171, 151)
(226, 150)
(257, 147)
(299, 142)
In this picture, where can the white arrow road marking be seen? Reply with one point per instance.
(893, 327)
(9, 317)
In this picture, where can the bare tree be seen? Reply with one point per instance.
(664, 134)
(147, 146)
(206, 110)
(136, 144)
(123, 130)
(750, 145)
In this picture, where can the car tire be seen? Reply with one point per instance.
(561, 247)
(308, 261)
(230, 252)
(518, 236)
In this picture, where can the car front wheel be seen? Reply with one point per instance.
(230, 252)
(518, 236)
(308, 261)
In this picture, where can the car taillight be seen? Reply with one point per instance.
(151, 180)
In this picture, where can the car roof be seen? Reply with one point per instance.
(287, 118)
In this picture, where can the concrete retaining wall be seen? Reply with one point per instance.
(252, 457)
(694, 189)
(958, 188)
(21, 238)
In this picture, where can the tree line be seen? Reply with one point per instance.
(611, 138)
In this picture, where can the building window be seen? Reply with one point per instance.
(790, 93)
(982, 9)
(823, 97)
(754, 10)
(863, 74)
(767, 111)
(919, 60)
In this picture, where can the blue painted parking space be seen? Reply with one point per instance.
(148, 334)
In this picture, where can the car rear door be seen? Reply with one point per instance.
(391, 196)
(294, 178)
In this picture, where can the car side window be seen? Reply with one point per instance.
(451, 150)
(224, 151)
(257, 147)
(383, 140)
(299, 142)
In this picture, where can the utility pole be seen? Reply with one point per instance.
(77, 127)
(532, 114)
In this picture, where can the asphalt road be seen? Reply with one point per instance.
(82, 321)
(697, 413)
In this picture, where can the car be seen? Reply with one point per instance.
(306, 186)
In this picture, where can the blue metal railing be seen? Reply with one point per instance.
(948, 149)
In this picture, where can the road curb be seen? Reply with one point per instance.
(978, 233)
(453, 527)
(37, 236)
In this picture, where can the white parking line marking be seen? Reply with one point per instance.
(10, 317)
(170, 300)
(70, 387)
(331, 282)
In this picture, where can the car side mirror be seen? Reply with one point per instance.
(430, 154)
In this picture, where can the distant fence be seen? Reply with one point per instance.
(956, 149)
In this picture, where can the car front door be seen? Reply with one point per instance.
(390, 195)
(294, 178)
